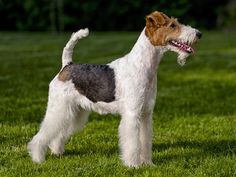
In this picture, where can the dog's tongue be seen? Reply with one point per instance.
(182, 46)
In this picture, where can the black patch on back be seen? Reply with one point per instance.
(96, 82)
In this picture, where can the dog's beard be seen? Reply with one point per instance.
(181, 59)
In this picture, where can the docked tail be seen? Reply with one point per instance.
(68, 49)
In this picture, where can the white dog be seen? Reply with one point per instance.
(126, 86)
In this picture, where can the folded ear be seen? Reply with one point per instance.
(156, 19)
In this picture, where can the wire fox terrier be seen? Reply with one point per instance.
(126, 86)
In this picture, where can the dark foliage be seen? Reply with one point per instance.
(43, 15)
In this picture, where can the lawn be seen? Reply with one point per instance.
(194, 130)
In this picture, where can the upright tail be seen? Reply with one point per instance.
(68, 49)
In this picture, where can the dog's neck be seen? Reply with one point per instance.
(144, 54)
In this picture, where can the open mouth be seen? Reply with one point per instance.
(182, 46)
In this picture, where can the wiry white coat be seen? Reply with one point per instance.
(135, 93)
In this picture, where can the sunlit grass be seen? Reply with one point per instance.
(194, 131)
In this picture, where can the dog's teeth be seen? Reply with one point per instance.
(189, 49)
(184, 45)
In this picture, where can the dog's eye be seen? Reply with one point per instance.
(173, 25)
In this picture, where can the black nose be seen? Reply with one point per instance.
(199, 34)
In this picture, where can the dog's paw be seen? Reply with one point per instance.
(37, 155)
(56, 150)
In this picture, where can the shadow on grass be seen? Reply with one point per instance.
(205, 149)
(92, 150)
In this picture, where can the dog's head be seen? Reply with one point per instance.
(171, 35)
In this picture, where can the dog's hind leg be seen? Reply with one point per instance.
(74, 124)
(58, 115)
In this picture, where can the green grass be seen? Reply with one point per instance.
(194, 131)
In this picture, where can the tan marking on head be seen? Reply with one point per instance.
(160, 28)
(65, 74)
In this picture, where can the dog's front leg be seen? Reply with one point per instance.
(146, 124)
(129, 131)
(146, 138)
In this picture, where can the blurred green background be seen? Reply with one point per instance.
(103, 15)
